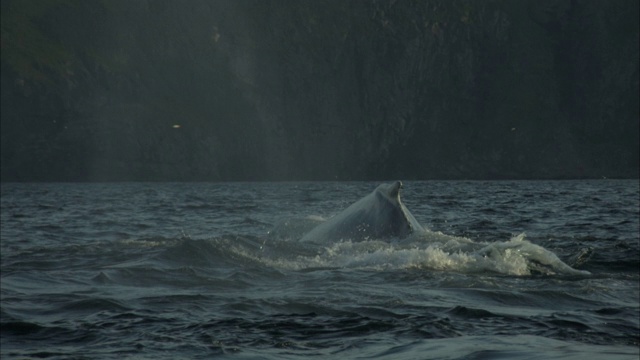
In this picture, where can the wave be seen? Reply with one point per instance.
(432, 251)
(429, 251)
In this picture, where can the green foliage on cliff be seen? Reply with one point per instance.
(26, 46)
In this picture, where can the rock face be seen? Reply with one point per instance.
(283, 89)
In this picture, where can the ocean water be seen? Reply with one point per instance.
(506, 269)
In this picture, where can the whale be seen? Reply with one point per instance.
(381, 215)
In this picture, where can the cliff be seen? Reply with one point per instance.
(300, 90)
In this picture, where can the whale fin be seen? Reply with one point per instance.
(379, 215)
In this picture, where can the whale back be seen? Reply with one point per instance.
(379, 215)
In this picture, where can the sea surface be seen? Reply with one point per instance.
(506, 269)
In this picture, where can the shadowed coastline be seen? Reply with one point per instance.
(319, 90)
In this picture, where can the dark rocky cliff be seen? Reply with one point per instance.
(269, 90)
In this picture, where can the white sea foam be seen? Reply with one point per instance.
(429, 251)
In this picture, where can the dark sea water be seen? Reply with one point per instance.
(509, 270)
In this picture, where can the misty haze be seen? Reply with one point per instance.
(318, 90)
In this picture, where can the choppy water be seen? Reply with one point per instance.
(205, 270)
